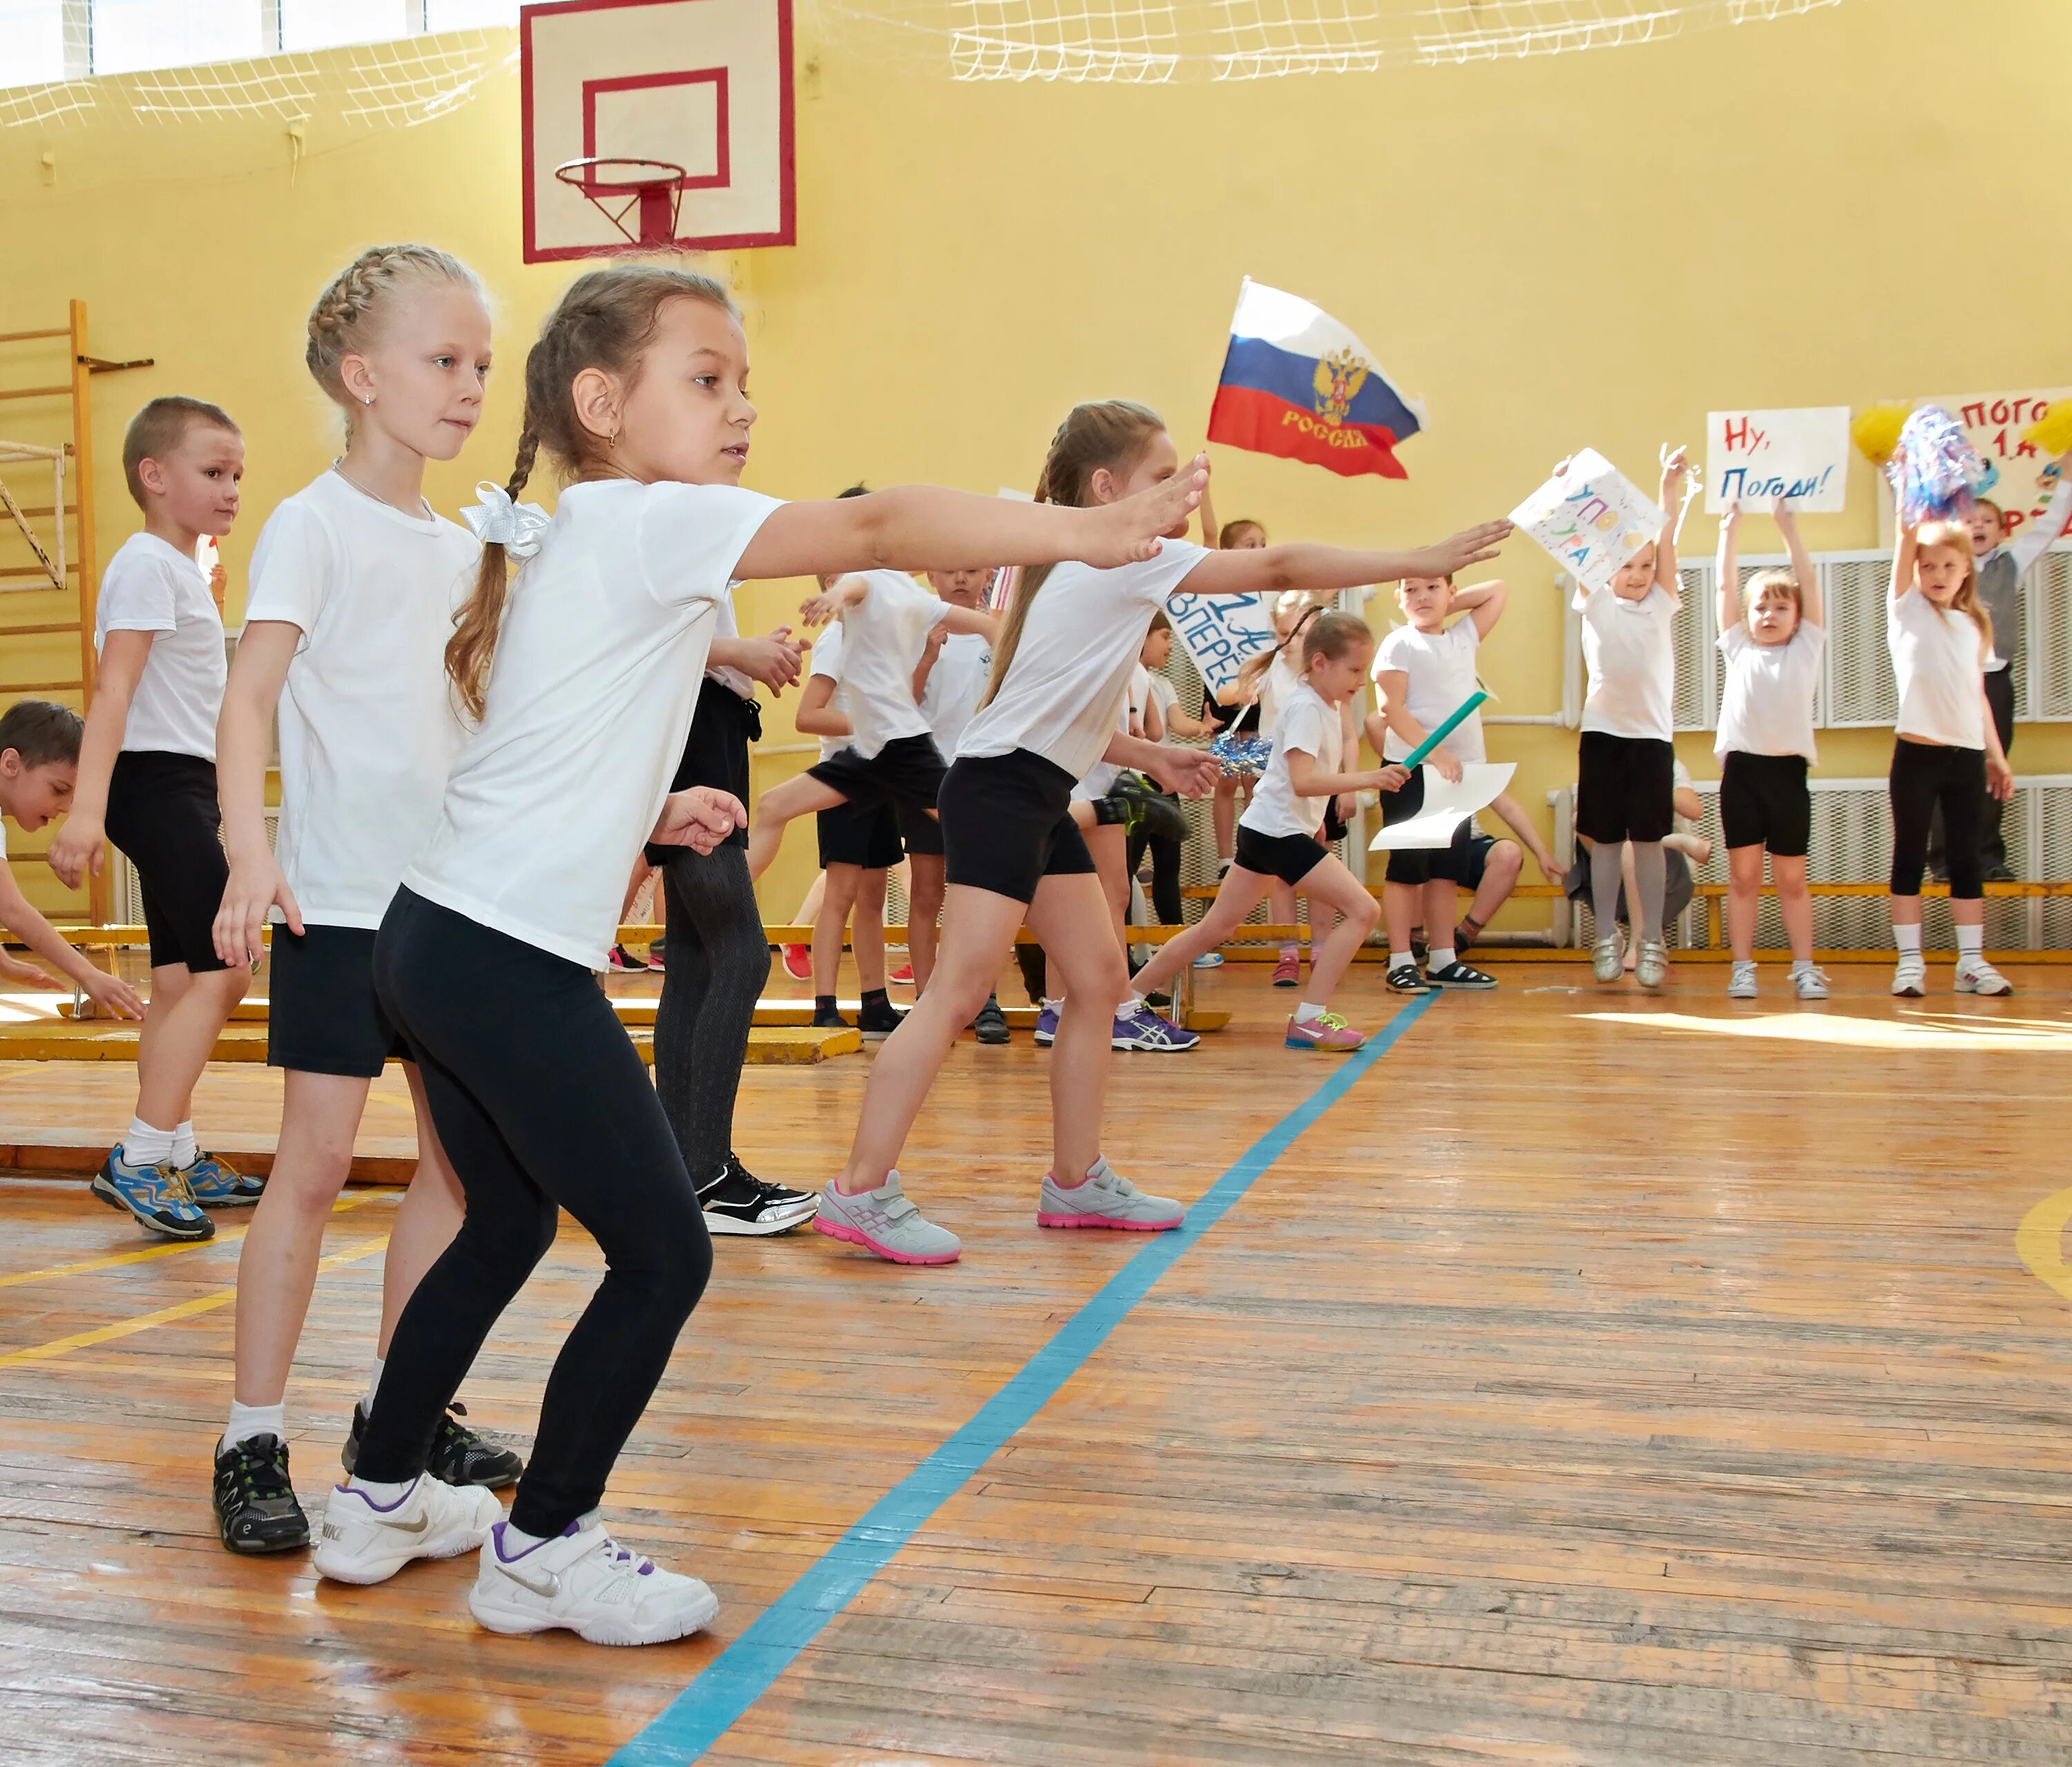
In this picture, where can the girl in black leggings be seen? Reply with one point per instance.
(486, 958)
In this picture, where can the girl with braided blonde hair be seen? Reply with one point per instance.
(354, 585)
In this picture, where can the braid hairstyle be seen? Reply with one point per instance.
(605, 320)
(1110, 433)
(1256, 665)
(347, 316)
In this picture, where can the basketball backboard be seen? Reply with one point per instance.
(701, 84)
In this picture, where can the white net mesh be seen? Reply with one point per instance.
(1154, 41)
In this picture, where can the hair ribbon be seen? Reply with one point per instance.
(518, 528)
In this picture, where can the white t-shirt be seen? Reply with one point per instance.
(1630, 649)
(1766, 705)
(882, 638)
(596, 676)
(1938, 658)
(1067, 690)
(1440, 666)
(1309, 722)
(151, 586)
(1279, 682)
(955, 685)
(1164, 696)
(739, 684)
(369, 726)
(1098, 778)
(827, 662)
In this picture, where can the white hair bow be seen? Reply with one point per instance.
(518, 527)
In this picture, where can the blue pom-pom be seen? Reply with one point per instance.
(1935, 473)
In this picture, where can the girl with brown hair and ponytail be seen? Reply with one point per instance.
(582, 676)
(354, 586)
(1060, 680)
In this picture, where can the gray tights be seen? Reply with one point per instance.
(1651, 872)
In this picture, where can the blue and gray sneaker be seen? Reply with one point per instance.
(1210, 960)
(157, 1195)
(1139, 1027)
(1046, 1025)
(218, 1184)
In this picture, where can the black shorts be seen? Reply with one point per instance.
(865, 834)
(323, 1016)
(1626, 788)
(1764, 802)
(1462, 862)
(1291, 858)
(1007, 825)
(163, 813)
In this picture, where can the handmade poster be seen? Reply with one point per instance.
(2019, 475)
(1220, 631)
(1590, 518)
(1446, 806)
(1752, 458)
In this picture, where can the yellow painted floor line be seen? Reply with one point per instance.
(166, 1315)
(2040, 1241)
(145, 1254)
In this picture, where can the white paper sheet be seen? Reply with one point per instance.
(1446, 806)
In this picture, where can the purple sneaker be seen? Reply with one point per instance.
(1046, 1026)
(1139, 1027)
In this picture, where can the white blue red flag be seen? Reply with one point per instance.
(1297, 383)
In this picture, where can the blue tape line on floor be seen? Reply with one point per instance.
(743, 1672)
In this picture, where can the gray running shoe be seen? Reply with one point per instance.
(1606, 959)
(884, 1221)
(1107, 1198)
(1653, 969)
(1741, 986)
(1810, 984)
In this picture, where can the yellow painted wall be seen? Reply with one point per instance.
(1590, 249)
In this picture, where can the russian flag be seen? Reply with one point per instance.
(1297, 383)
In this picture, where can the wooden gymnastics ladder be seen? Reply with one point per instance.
(51, 565)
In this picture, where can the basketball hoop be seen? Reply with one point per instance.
(651, 188)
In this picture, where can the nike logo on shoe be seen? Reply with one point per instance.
(546, 1585)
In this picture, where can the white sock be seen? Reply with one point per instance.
(145, 1146)
(1971, 943)
(1293, 951)
(186, 1151)
(1057, 1005)
(1397, 959)
(248, 1421)
(1799, 966)
(1310, 1009)
(516, 1542)
(384, 1495)
(373, 1385)
(1908, 939)
(1439, 957)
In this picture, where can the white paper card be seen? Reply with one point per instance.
(1220, 631)
(1446, 806)
(1752, 458)
(1590, 519)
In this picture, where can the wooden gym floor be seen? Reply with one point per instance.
(1596, 1379)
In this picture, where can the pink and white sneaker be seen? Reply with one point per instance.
(1326, 1032)
(798, 963)
(902, 976)
(1287, 971)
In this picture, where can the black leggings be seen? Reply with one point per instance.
(542, 1103)
(1927, 777)
(1164, 872)
(718, 963)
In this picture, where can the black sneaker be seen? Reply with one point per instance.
(734, 1203)
(1150, 808)
(1999, 872)
(458, 1455)
(1404, 979)
(256, 1510)
(1457, 975)
(990, 1026)
(878, 1018)
(827, 1018)
(621, 958)
(778, 1193)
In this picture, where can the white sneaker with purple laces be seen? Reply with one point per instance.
(584, 1581)
(367, 1540)
(1137, 1026)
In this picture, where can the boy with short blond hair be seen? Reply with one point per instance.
(146, 782)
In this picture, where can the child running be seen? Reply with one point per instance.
(147, 782)
(488, 957)
(1773, 636)
(1422, 673)
(1627, 757)
(1276, 836)
(1060, 684)
(354, 585)
(1946, 751)
(39, 764)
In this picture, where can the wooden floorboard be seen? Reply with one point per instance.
(1603, 1380)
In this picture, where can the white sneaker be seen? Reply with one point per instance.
(363, 1542)
(1741, 987)
(1653, 969)
(1606, 960)
(1977, 976)
(584, 1581)
(1909, 978)
(1810, 983)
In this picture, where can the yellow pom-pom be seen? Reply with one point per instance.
(1876, 431)
(2053, 431)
